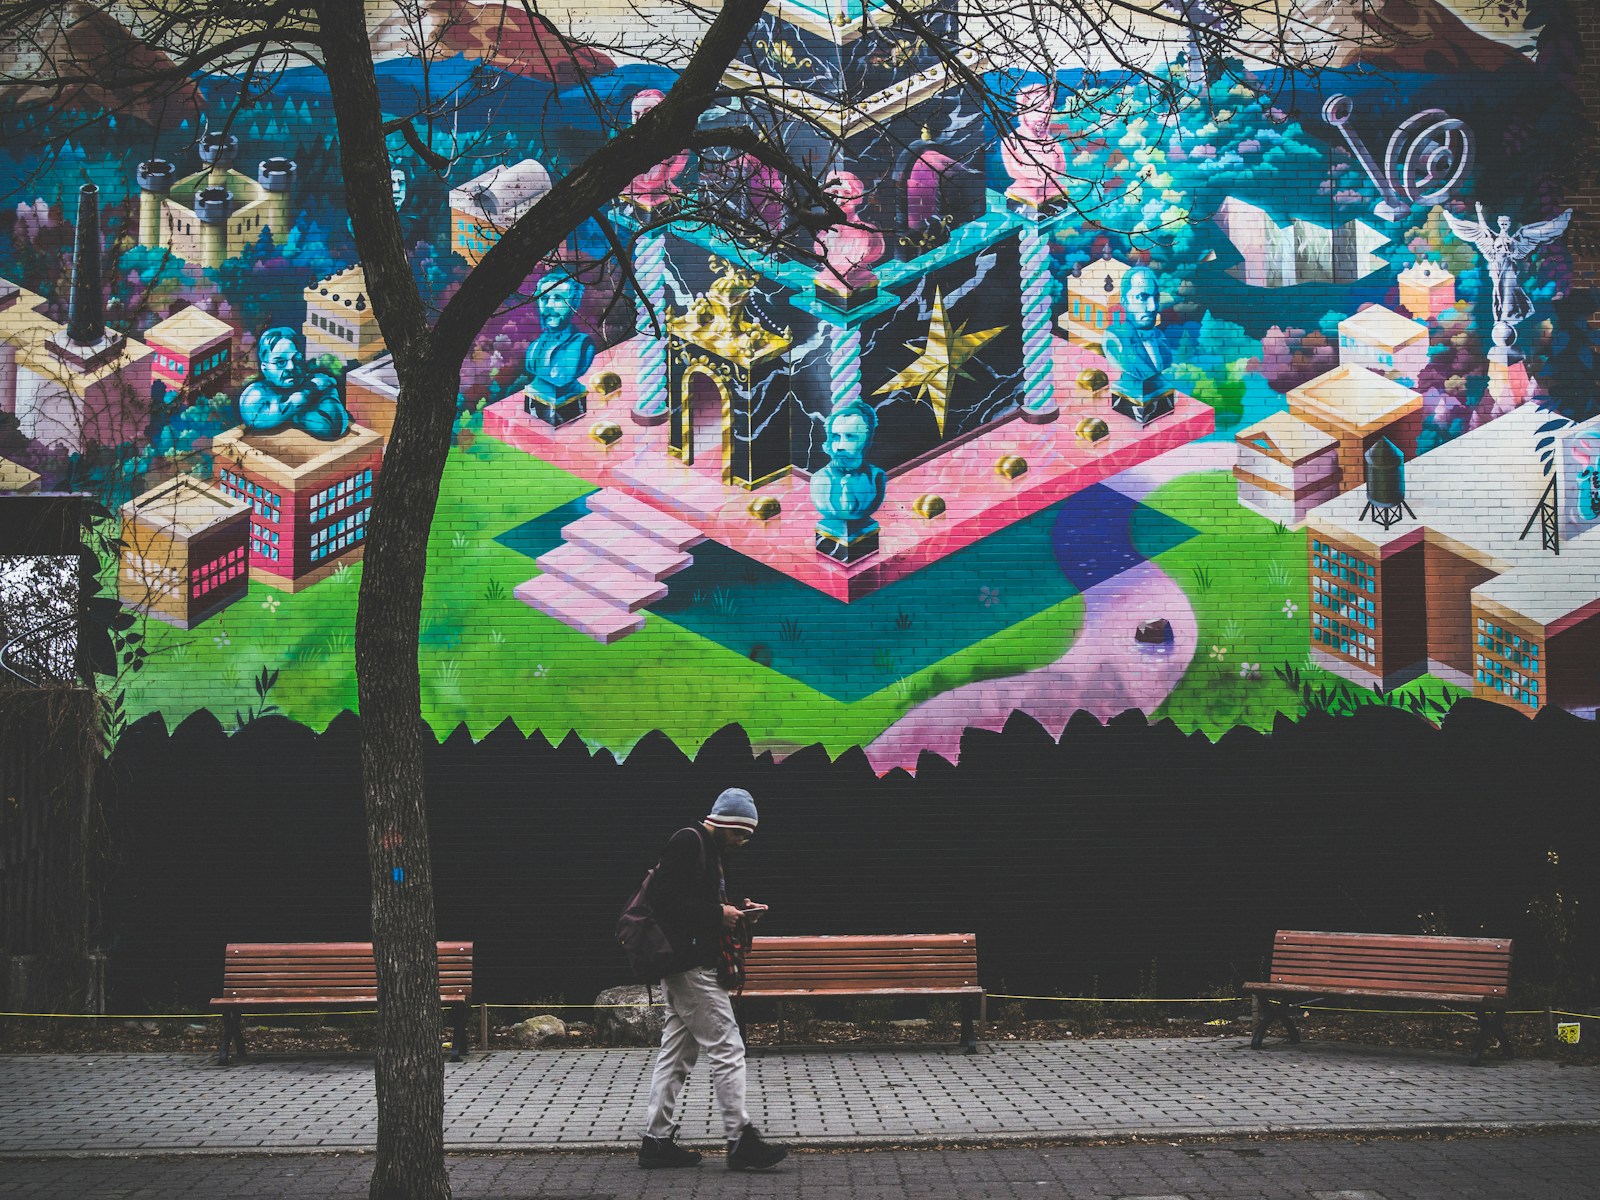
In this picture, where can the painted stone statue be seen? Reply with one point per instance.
(290, 394)
(558, 358)
(658, 187)
(1502, 249)
(1032, 154)
(849, 489)
(1139, 349)
(848, 250)
(399, 189)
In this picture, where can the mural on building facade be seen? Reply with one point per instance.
(1170, 392)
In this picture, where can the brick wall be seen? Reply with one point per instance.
(550, 606)
(1586, 197)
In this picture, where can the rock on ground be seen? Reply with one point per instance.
(625, 1015)
(538, 1031)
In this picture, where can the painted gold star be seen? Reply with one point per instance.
(942, 358)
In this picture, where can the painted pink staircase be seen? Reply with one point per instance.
(610, 566)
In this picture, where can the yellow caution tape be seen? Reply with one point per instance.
(207, 1016)
(536, 1005)
(359, 1012)
(1124, 999)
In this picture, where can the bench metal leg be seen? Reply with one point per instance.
(1268, 1010)
(1491, 1027)
(458, 1040)
(232, 1032)
(969, 1039)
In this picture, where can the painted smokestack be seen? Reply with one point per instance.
(86, 314)
(155, 177)
(86, 342)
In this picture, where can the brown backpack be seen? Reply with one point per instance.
(644, 943)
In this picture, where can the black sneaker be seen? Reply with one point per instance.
(665, 1152)
(748, 1152)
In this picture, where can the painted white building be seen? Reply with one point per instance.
(1382, 340)
(66, 396)
(339, 318)
(485, 207)
(1285, 468)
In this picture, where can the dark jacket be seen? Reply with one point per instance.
(686, 894)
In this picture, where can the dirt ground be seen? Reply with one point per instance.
(309, 1034)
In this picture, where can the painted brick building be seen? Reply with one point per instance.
(186, 551)
(1454, 588)
(191, 353)
(310, 499)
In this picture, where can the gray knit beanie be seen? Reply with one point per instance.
(734, 809)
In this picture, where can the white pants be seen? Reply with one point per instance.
(699, 1017)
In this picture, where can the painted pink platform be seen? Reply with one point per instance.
(978, 501)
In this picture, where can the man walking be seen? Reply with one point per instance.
(690, 896)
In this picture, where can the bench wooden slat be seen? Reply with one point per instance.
(1391, 965)
(1352, 980)
(892, 963)
(897, 970)
(855, 983)
(865, 968)
(1433, 997)
(841, 982)
(348, 973)
(292, 999)
(825, 994)
(1412, 941)
(318, 949)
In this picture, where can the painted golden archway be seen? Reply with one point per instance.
(681, 442)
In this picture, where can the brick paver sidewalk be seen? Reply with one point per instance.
(1518, 1167)
(595, 1098)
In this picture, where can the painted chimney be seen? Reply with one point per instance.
(85, 342)
(86, 315)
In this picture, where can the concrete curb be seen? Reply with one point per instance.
(1107, 1137)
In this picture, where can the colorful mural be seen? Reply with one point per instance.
(1217, 385)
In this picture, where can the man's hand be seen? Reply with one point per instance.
(730, 916)
(754, 911)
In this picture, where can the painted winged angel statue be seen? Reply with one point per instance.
(1502, 249)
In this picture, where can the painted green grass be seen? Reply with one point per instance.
(308, 637)
(1246, 578)
(485, 656)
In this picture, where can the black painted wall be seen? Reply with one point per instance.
(1078, 865)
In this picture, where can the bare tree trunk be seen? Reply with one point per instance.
(409, 1077)
(409, 1073)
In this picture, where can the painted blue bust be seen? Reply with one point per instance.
(849, 489)
(290, 394)
(562, 353)
(1138, 347)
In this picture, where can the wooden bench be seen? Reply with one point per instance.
(916, 964)
(258, 975)
(1473, 973)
